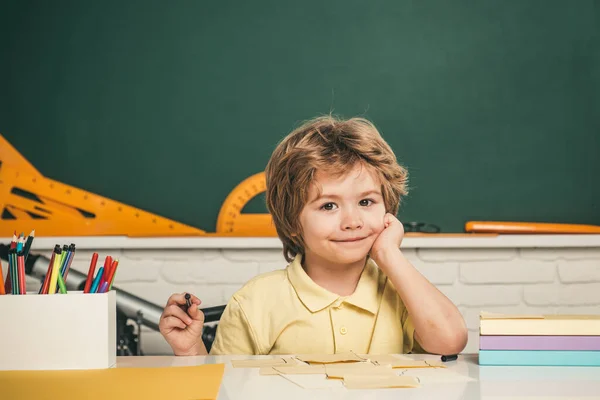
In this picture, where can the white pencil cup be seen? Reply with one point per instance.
(58, 331)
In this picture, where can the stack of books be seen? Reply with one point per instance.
(560, 340)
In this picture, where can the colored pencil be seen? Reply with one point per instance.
(107, 264)
(28, 243)
(20, 243)
(62, 263)
(46, 284)
(13, 243)
(2, 291)
(103, 288)
(62, 288)
(14, 272)
(9, 277)
(55, 273)
(8, 283)
(112, 274)
(69, 261)
(21, 269)
(90, 275)
(97, 280)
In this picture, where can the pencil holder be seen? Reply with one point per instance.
(58, 331)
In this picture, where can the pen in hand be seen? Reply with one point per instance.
(188, 302)
(181, 324)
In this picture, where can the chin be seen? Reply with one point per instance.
(349, 257)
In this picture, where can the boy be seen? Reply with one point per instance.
(333, 189)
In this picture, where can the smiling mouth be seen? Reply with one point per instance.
(350, 240)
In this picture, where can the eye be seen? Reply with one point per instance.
(366, 202)
(328, 206)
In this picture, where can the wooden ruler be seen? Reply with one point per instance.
(528, 227)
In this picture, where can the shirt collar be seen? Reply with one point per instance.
(316, 298)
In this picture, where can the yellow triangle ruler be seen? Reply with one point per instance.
(29, 199)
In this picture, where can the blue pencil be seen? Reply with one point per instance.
(20, 242)
(97, 280)
(63, 268)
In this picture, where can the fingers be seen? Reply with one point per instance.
(170, 322)
(175, 311)
(195, 313)
(194, 299)
(388, 219)
(176, 298)
(177, 315)
(179, 299)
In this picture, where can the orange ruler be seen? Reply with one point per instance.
(29, 200)
(527, 227)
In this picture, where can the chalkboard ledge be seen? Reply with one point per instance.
(419, 241)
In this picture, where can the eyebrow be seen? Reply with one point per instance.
(335, 197)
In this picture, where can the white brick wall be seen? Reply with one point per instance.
(515, 271)
(511, 280)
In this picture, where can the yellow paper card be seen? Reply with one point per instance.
(572, 316)
(330, 358)
(267, 371)
(312, 381)
(341, 372)
(379, 382)
(301, 369)
(489, 315)
(384, 359)
(293, 370)
(417, 364)
(197, 382)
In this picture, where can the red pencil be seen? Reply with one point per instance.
(13, 244)
(107, 264)
(90, 275)
(111, 276)
(46, 284)
(1, 279)
(21, 267)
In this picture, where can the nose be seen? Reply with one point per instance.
(351, 220)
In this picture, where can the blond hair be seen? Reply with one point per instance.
(326, 144)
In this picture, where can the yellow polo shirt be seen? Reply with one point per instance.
(285, 312)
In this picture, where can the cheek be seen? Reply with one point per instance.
(315, 227)
(378, 227)
(323, 226)
(376, 219)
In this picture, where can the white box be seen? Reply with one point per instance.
(58, 331)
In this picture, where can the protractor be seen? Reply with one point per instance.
(232, 221)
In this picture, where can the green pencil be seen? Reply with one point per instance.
(61, 285)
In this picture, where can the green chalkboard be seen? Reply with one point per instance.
(493, 106)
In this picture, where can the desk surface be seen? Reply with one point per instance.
(490, 382)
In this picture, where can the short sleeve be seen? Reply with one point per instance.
(234, 333)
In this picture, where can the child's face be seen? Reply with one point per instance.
(340, 225)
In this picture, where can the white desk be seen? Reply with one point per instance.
(493, 383)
